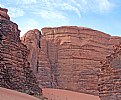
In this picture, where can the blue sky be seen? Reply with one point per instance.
(103, 15)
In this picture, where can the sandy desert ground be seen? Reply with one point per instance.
(51, 94)
(57, 94)
(6, 94)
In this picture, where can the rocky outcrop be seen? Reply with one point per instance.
(73, 56)
(39, 62)
(66, 57)
(110, 76)
(15, 71)
(3, 14)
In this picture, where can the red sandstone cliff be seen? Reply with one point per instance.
(110, 76)
(39, 62)
(15, 71)
(65, 57)
(72, 54)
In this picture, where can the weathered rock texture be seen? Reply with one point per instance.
(3, 14)
(39, 62)
(15, 71)
(110, 77)
(72, 56)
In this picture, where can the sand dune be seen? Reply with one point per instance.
(6, 94)
(57, 94)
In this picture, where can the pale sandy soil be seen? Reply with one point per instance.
(6, 94)
(51, 94)
(57, 94)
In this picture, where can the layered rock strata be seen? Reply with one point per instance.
(110, 76)
(39, 62)
(15, 71)
(73, 55)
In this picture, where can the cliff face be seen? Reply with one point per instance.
(73, 56)
(15, 71)
(39, 62)
(110, 76)
(65, 57)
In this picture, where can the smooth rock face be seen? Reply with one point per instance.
(110, 76)
(15, 71)
(73, 56)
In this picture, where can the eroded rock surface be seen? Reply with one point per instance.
(110, 76)
(15, 71)
(73, 56)
(3, 14)
(39, 62)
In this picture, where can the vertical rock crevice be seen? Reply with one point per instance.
(68, 57)
(37, 58)
(74, 54)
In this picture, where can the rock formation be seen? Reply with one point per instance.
(3, 14)
(110, 76)
(65, 57)
(39, 62)
(71, 54)
(15, 71)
